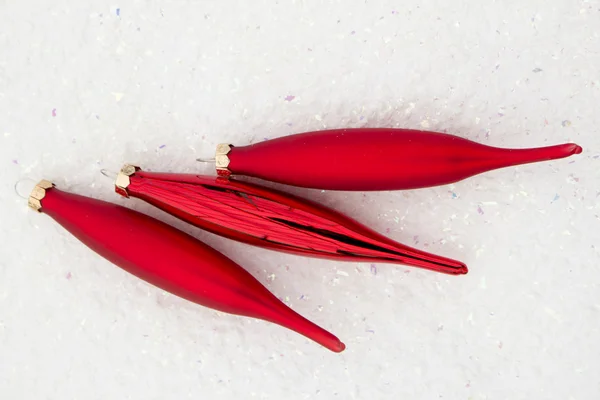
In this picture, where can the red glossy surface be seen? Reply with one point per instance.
(174, 261)
(378, 159)
(268, 218)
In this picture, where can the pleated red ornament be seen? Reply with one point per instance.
(271, 219)
(170, 259)
(374, 159)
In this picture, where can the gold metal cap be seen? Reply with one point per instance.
(38, 193)
(123, 180)
(222, 160)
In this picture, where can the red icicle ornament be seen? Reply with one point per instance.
(170, 259)
(374, 159)
(271, 219)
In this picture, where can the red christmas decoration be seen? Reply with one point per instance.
(170, 259)
(374, 159)
(271, 219)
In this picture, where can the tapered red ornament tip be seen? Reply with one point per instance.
(462, 270)
(433, 262)
(563, 150)
(457, 268)
(324, 338)
(338, 347)
(566, 150)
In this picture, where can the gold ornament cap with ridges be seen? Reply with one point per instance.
(123, 180)
(221, 158)
(38, 193)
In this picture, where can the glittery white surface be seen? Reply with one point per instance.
(91, 85)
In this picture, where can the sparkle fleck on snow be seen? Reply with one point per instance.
(54, 112)
(118, 96)
(574, 178)
(479, 210)
(289, 98)
(373, 269)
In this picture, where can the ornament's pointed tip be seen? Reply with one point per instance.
(326, 339)
(334, 345)
(565, 150)
(432, 262)
(530, 155)
(457, 268)
(339, 347)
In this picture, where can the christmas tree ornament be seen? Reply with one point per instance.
(368, 159)
(271, 219)
(170, 259)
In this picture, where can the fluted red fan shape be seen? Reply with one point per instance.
(271, 219)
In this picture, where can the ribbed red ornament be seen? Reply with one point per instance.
(173, 261)
(272, 219)
(377, 159)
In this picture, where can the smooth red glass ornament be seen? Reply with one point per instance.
(375, 159)
(172, 260)
(271, 219)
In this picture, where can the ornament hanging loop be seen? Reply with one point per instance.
(109, 174)
(18, 189)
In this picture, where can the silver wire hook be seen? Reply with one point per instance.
(16, 187)
(206, 160)
(108, 174)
